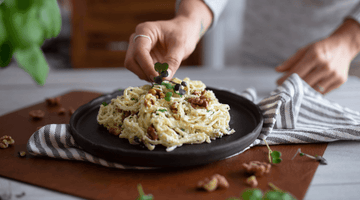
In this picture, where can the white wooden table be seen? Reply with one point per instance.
(340, 179)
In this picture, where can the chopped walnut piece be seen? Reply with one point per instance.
(71, 111)
(148, 101)
(61, 111)
(173, 108)
(152, 132)
(222, 181)
(258, 168)
(216, 181)
(196, 92)
(127, 114)
(53, 101)
(115, 131)
(252, 181)
(199, 101)
(152, 91)
(37, 114)
(134, 112)
(22, 153)
(158, 93)
(5, 141)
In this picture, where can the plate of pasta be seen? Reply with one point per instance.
(175, 123)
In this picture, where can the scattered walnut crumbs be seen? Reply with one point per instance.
(158, 93)
(37, 114)
(53, 101)
(173, 108)
(5, 141)
(216, 181)
(258, 168)
(22, 153)
(71, 111)
(152, 132)
(61, 111)
(201, 101)
(252, 181)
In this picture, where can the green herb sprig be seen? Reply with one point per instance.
(257, 194)
(320, 159)
(162, 68)
(274, 156)
(24, 26)
(168, 96)
(104, 103)
(142, 195)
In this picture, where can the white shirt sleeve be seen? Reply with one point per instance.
(355, 13)
(216, 7)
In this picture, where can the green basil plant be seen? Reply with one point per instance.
(24, 26)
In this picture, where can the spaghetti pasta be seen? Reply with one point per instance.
(144, 115)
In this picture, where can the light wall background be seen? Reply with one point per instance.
(222, 42)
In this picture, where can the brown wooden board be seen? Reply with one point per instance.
(91, 181)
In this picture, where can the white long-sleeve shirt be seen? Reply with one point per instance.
(275, 29)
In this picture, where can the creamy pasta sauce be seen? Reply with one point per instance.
(143, 115)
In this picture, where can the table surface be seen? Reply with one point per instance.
(340, 179)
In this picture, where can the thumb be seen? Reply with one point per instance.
(173, 58)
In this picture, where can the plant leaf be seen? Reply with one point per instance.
(3, 32)
(6, 52)
(275, 154)
(252, 194)
(168, 94)
(33, 61)
(276, 160)
(167, 85)
(275, 195)
(160, 67)
(142, 195)
(52, 8)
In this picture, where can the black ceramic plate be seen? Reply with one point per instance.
(246, 119)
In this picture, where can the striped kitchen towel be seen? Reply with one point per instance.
(293, 113)
(296, 113)
(56, 141)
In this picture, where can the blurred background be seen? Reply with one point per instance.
(95, 34)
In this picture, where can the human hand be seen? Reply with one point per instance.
(170, 41)
(324, 65)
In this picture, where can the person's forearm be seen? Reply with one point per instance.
(197, 13)
(349, 32)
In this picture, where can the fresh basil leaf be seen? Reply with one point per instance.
(252, 194)
(3, 32)
(6, 52)
(276, 195)
(33, 61)
(275, 154)
(276, 160)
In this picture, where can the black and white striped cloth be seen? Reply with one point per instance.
(293, 113)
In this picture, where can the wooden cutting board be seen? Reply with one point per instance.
(91, 181)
